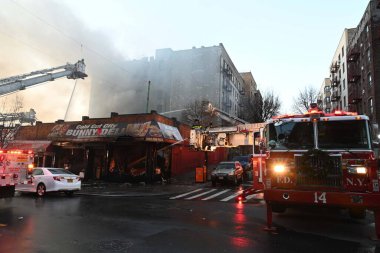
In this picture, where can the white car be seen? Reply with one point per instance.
(45, 180)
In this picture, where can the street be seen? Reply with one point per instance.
(164, 223)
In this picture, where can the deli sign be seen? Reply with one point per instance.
(74, 131)
(96, 130)
(151, 130)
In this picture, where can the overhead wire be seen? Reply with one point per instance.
(60, 31)
(66, 35)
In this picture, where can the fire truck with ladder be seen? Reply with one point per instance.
(316, 159)
(14, 164)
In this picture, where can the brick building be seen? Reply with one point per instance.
(364, 65)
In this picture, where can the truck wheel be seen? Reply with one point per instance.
(41, 190)
(276, 208)
(357, 213)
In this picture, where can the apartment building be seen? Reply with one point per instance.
(324, 96)
(338, 73)
(169, 82)
(364, 65)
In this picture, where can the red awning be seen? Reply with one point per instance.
(36, 146)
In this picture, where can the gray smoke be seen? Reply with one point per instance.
(43, 34)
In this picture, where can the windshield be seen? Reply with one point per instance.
(331, 135)
(350, 135)
(60, 171)
(224, 166)
(290, 135)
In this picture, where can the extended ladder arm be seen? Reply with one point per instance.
(71, 71)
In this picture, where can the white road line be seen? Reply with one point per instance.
(232, 196)
(204, 193)
(216, 194)
(185, 194)
(256, 195)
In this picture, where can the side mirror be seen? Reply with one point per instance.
(272, 144)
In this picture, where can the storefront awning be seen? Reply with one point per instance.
(149, 131)
(35, 146)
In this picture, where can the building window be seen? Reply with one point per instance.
(367, 28)
(370, 105)
(327, 99)
(327, 110)
(369, 55)
(343, 51)
(344, 84)
(343, 67)
(344, 101)
(327, 88)
(369, 78)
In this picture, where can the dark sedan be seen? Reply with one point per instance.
(227, 172)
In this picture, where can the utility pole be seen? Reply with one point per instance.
(147, 98)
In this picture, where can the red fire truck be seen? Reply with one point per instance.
(14, 166)
(314, 159)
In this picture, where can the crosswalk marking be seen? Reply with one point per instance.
(256, 195)
(216, 194)
(185, 194)
(219, 194)
(201, 194)
(232, 196)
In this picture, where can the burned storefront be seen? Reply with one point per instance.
(123, 148)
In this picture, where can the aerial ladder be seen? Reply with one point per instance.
(21, 82)
(10, 173)
(224, 115)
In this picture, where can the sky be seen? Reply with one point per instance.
(287, 45)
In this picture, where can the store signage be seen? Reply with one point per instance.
(148, 130)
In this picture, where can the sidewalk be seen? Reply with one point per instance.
(178, 184)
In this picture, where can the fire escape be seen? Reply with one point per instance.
(227, 88)
(354, 91)
(335, 81)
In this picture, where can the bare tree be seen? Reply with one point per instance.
(302, 103)
(9, 118)
(263, 107)
(197, 115)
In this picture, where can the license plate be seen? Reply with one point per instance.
(69, 180)
(220, 177)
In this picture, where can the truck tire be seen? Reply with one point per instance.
(41, 190)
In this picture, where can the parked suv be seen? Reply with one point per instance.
(227, 172)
